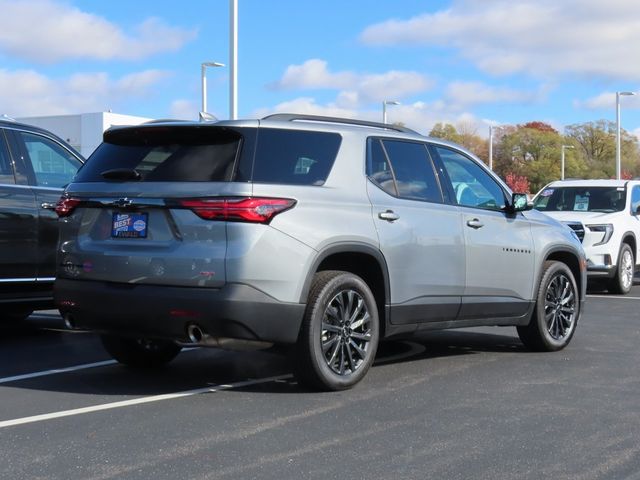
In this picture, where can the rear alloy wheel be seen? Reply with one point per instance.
(623, 280)
(140, 352)
(556, 312)
(340, 332)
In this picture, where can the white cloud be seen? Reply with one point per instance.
(28, 93)
(184, 109)
(47, 31)
(359, 88)
(465, 94)
(420, 116)
(607, 101)
(543, 38)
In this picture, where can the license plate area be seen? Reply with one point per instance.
(129, 225)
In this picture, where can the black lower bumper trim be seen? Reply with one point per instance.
(234, 311)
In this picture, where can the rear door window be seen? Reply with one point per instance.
(53, 165)
(6, 169)
(294, 157)
(403, 169)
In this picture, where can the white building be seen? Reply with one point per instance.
(82, 131)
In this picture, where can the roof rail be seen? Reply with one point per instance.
(293, 117)
(7, 118)
(163, 120)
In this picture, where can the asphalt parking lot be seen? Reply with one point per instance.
(459, 404)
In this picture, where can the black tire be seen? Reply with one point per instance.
(556, 312)
(340, 332)
(140, 352)
(622, 281)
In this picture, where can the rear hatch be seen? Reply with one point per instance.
(151, 204)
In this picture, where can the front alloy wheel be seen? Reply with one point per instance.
(556, 311)
(623, 279)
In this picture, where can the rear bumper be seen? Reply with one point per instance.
(233, 311)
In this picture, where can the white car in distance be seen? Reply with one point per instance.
(605, 216)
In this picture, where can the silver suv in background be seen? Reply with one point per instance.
(605, 216)
(325, 234)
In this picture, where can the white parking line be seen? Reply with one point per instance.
(137, 401)
(74, 368)
(612, 297)
(44, 373)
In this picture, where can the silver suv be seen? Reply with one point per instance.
(320, 233)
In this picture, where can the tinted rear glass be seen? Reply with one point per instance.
(161, 154)
(294, 157)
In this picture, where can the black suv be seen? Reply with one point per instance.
(35, 165)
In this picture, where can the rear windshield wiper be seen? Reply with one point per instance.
(121, 174)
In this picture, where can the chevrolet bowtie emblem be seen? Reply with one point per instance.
(123, 202)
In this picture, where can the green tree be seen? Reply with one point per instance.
(446, 131)
(597, 146)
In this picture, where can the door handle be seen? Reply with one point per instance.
(389, 216)
(48, 206)
(475, 223)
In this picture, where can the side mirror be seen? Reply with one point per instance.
(519, 203)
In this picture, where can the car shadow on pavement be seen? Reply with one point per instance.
(198, 368)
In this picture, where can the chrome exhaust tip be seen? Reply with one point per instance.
(195, 333)
(69, 321)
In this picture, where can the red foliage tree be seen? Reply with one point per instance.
(517, 183)
(540, 126)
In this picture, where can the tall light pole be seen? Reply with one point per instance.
(384, 108)
(618, 94)
(562, 160)
(203, 76)
(233, 59)
(491, 128)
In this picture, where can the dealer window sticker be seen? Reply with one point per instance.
(581, 203)
(547, 193)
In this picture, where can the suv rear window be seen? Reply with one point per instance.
(213, 154)
(166, 154)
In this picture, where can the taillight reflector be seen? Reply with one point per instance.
(254, 210)
(66, 206)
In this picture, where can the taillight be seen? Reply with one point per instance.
(66, 206)
(254, 210)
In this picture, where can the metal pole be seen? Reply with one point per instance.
(562, 164)
(233, 59)
(617, 135)
(384, 111)
(490, 147)
(203, 76)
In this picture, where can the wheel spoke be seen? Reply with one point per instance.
(329, 343)
(360, 351)
(334, 353)
(365, 337)
(361, 321)
(352, 364)
(331, 328)
(356, 312)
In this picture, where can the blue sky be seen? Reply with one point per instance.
(467, 62)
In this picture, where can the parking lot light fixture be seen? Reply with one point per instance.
(384, 108)
(203, 76)
(618, 161)
(562, 160)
